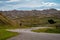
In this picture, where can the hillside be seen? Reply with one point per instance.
(5, 22)
(32, 18)
(13, 14)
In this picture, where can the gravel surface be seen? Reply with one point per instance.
(26, 34)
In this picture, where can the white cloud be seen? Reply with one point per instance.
(28, 0)
(48, 4)
(29, 4)
(32, 5)
(13, 0)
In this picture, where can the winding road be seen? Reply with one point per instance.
(27, 34)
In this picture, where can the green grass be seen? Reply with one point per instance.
(8, 27)
(6, 23)
(44, 21)
(47, 30)
(6, 34)
(36, 22)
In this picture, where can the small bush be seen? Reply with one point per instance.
(51, 21)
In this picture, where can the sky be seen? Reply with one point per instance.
(29, 4)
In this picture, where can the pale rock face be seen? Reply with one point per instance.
(18, 13)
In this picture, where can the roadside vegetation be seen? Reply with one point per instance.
(6, 23)
(55, 25)
(47, 30)
(6, 34)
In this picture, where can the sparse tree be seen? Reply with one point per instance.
(51, 21)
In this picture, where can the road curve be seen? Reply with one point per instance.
(26, 34)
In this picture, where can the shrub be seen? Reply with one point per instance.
(51, 21)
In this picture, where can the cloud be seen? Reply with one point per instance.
(13, 0)
(32, 5)
(49, 4)
(27, 4)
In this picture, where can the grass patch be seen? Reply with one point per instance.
(8, 27)
(44, 21)
(6, 34)
(36, 22)
(47, 30)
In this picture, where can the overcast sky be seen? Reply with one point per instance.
(29, 4)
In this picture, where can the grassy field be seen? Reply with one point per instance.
(6, 34)
(36, 22)
(47, 30)
(44, 23)
(8, 27)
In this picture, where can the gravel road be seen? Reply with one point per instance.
(26, 34)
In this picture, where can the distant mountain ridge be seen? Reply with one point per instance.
(40, 13)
